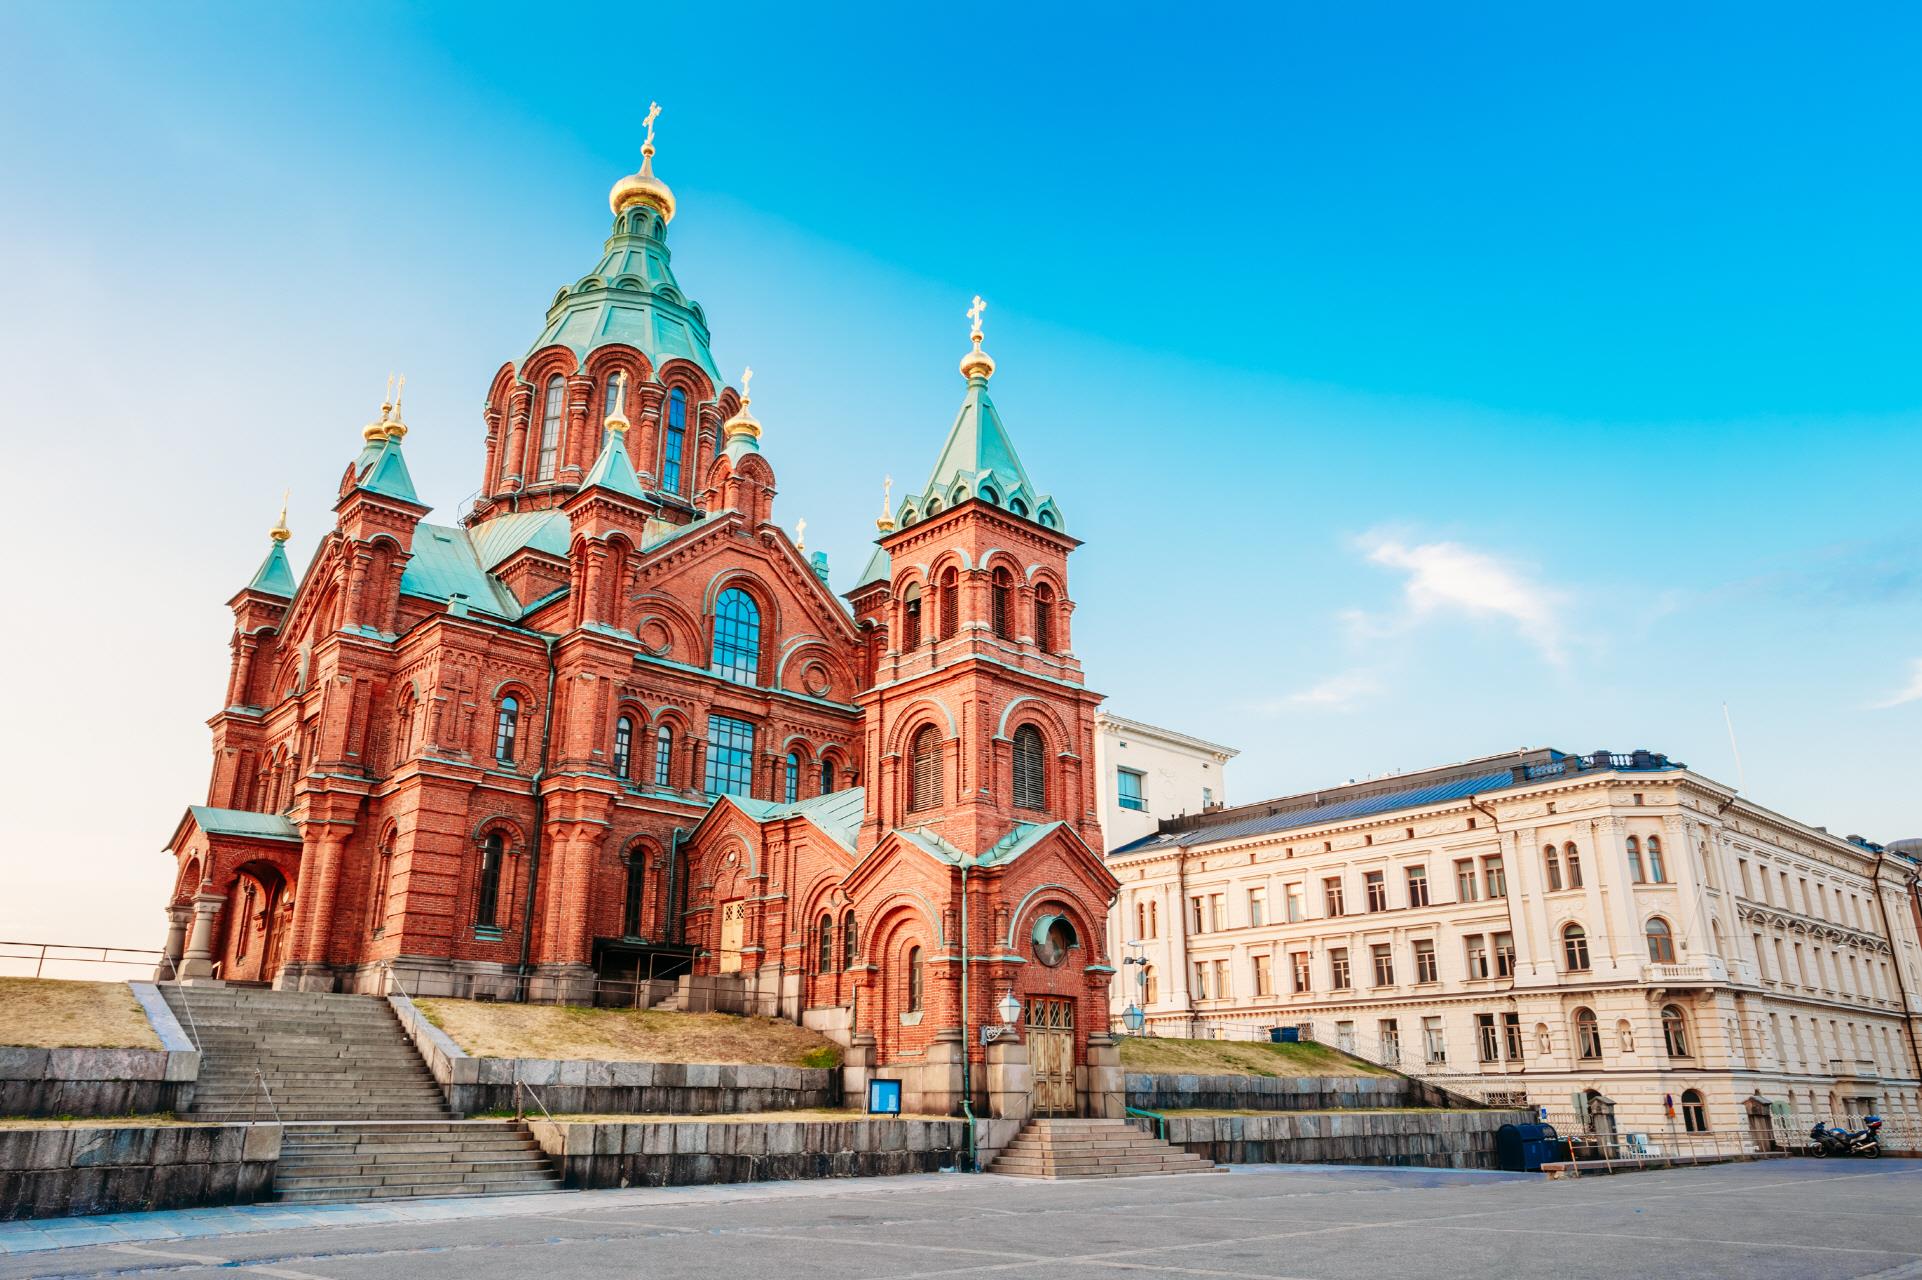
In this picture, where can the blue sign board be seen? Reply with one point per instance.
(884, 1097)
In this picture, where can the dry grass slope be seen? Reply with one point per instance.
(49, 1013)
(488, 1030)
(1238, 1058)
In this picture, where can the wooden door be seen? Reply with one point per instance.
(733, 924)
(1050, 1033)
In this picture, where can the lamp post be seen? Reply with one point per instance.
(1132, 1017)
(1008, 1009)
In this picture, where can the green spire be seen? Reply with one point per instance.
(275, 577)
(387, 474)
(614, 470)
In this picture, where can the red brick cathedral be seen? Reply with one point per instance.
(615, 726)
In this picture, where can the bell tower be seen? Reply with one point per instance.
(979, 728)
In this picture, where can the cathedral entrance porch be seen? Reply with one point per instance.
(1049, 1031)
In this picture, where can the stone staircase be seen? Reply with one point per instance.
(363, 1117)
(1092, 1149)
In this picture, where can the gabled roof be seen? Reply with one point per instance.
(979, 461)
(1024, 836)
(496, 539)
(275, 577)
(613, 470)
(242, 822)
(837, 815)
(880, 568)
(444, 565)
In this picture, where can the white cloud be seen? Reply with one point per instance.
(1449, 578)
(1911, 693)
(1336, 693)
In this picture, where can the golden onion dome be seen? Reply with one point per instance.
(977, 363)
(743, 423)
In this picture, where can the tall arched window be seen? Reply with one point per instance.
(636, 887)
(850, 940)
(1661, 943)
(1001, 603)
(1656, 872)
(506, 728)
(1694, 1111)
(824, 945)
(1575, 949)
(1674, 1031)
(675, 442)
(1030, 771)
(827, 777)
(623, 746)
(924, 779)
(663, 755)
(615, 405)
(1588, 1036)
(550, 450)
(1573, 861)
(493, 853)
(950, 603)
(1552, 867)
(791, 785)
(1044, 617)
(914, 979)
(911, 617)
(1635, 861)
(383, 885)
(737, 637)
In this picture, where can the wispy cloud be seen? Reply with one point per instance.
(1910, 693)
(1449, 578)
(1336, 693)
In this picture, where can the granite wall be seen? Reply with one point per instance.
(1280, 1093)
(1435, 1139)
(684, 1153)
(48, 1172)
(105, 1082)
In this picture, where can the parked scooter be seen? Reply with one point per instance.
(1826, 1140)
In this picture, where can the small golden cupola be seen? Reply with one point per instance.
(641, 186)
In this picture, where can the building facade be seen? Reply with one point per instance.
(1578, 931)
(614, 725)
(1149, 773)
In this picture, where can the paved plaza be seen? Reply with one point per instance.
(1795, 1218)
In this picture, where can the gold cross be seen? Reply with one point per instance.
(653, 113)
(800, 535)
(747, 376)
(974, 317)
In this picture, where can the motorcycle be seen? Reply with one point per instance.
(1826, 1140)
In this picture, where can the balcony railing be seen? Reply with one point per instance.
(1632, 761)
(1699, 973)
(1854, 1069)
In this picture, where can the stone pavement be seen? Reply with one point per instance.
(1794, 1218)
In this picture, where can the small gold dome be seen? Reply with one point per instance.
(615, 422)
(642, 188)
(977, 363)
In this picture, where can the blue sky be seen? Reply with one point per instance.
(1424, 383)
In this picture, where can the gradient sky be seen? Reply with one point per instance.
(1426, 381)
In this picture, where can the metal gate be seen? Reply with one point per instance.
(1050, 1034)
(733, 925)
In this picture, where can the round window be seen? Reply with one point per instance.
(1053, 936)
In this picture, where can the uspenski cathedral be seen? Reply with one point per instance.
(614, 731)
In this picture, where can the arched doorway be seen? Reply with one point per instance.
(250, 951)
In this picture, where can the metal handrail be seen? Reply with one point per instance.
(262, 1091)
(1161, 1121)
(520, 1086)
(38, 952)
(193, 1027)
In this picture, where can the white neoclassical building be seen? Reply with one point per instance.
(1543, 925)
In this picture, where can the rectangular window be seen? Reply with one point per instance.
(1434, 1043)
(1222, 988)
(1487, 1042)
(1384, 961)
(1741, 869)
(1130, 789)
(1494, 878)
(1377, 887)
(1331, 895)
(1425, 968)
(1388, 1030)
(1338, 968)
(663, 755)
(1197, 915)
(1217, 911)
(730, 756)
(1201, 979)
(1207, 798)
(1298, 963)
(1345, 1036)
(1294, 903)
(1504, 955)
(1465, 884)
(1418, 886)
(1263, 985)
(1476, 949)
(1512, 1036)
(1257, 907)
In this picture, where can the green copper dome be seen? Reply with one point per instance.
(979, 461)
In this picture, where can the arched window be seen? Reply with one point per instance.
(1661, 943)
(1588, 1036)
(663, 755)
(506, 727)
(1694, 1113)
(493, 853)
(950, 603)
(824, 944)
(675, 442)
(1635, 861)
(791, 785)
(850, 940)
(1551, 867)
(1674, 1031)
(914, 979)
(911, 617)
(1030, 773)
(550, 449)
(1573, 860)
(1001, 603)
(616, 403)
(1656, 872)
(623, 746)
(1044, 617)
(1149, 991)
(1575, 949)
(924, 779)
(636, 885)
(827, 777)
(737, 637)
(383, 885)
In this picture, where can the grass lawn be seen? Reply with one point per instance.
(487, 1030)
(1167, 1057)
(49, 1013)
(164, 1121)
(814, 1114)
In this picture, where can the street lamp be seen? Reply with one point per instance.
(1009, 1008)
(1134, 1019)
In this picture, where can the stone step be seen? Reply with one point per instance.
(314, 1172)
(378, 1153)
(515, 1187)
(295, 1114)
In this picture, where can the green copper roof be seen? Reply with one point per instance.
(500, 537)
(387, 473)
(1025, 836)
(880, 568)
(979, 460)
(631, 297)
(274, 577)
(613, 470)
(243, 822)
(837, 814)
(444, 565)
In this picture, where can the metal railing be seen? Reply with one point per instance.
(262, 1091)
(511, 988)
(1644, 760)
(41, 954)
(522, 1088)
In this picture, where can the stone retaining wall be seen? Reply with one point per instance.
(104, 1082)
(1435, 1139)
(1280, 1093)
(475, 1085)
(55, 1173)
(685, 1153)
